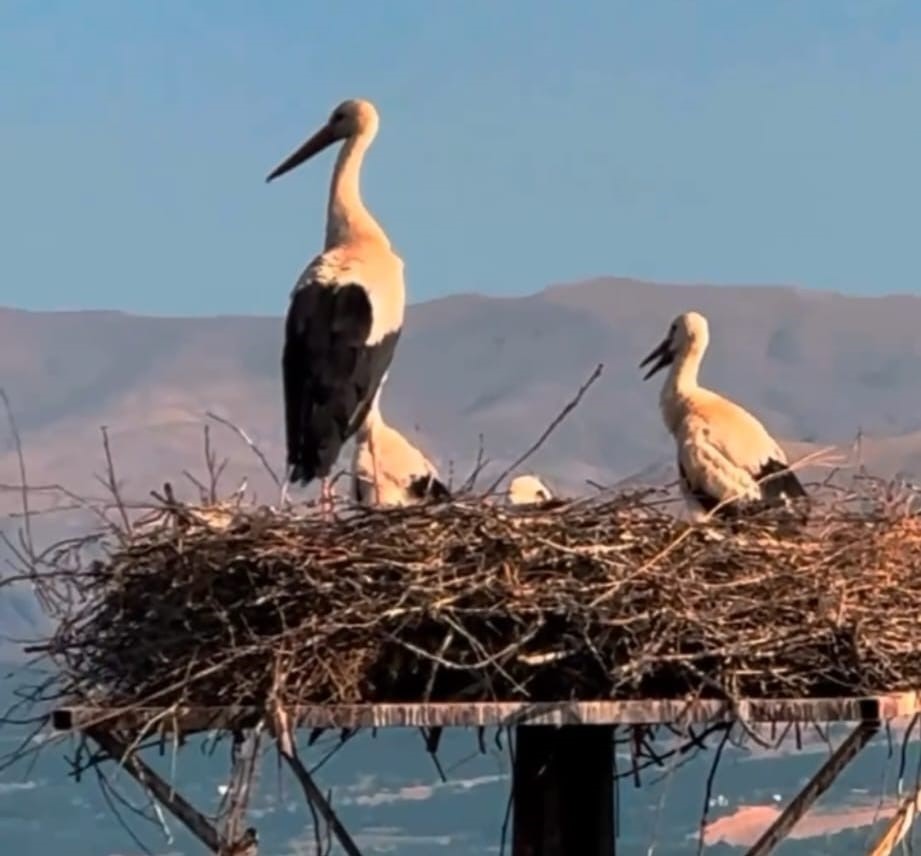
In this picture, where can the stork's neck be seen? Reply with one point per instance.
(681, 384)
(684, 371)
(347, 219)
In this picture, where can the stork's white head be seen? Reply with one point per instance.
(688, 334)
(526, 490)
(353, 118)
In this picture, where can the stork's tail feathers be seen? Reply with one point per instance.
(438, 491)
(429, 487)
(314, 455)
(781, 487)
(777, 481)
(301, 475)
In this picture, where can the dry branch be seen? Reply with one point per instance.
(121, 752)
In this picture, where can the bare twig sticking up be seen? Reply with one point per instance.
(549, 430)
(249, 442)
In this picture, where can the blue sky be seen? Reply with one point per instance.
(523, 142)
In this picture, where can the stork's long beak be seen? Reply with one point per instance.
(664, 356)
(319, 141)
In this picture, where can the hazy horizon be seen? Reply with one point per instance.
(413, 301)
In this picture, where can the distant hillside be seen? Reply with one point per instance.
(816, 366)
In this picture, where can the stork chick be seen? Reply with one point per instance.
(726, 458)
(388, 470)
(528, 490)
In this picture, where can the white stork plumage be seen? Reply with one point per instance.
(388, 470)
(346, 310)
(726, 457)
(528, 490)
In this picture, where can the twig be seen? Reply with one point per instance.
(111, 482)
(249, 442)
(20, 457)
(549, 430)
(478, 465)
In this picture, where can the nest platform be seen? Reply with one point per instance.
(590, 614)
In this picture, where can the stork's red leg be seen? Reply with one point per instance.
(377, 488)
(326, 499)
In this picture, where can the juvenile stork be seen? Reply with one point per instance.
(528, 490)
(346, 310)
(726, 457)
(388, 470)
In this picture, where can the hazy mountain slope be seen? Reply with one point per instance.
(816, 366)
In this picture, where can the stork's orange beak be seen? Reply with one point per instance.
(319, 141)
(663, 355)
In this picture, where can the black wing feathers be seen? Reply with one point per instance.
(330, 373)
(778, 480)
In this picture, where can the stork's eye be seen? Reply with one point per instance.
(338, 116)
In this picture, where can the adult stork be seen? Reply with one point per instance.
(388, 470)
(346, 309)
(528, 490)
(726, 458)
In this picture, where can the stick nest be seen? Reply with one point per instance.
(613, 597)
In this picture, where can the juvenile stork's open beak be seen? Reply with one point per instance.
(664, 355)
(319, 141)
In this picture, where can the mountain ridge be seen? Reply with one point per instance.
(817, 367)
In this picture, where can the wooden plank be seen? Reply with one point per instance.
(898, 827)
(563, 791)
(814, 788)
(606, 712)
